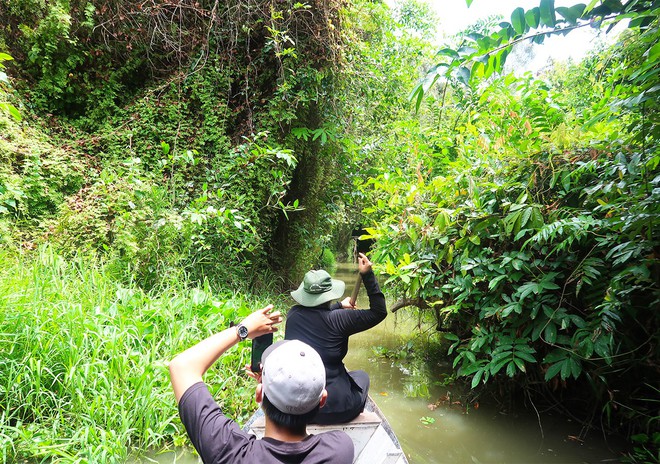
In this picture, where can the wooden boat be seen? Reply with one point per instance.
(373, 438)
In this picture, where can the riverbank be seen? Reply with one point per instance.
(84, 359)
(435, 425)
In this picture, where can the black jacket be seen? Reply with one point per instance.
(326, 328)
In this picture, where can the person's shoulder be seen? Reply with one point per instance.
(335, 437)
(335, 445)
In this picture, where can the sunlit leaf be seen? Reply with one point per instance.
(547, 12)
(451, 53)
(518, 20)
(533, 17)
(571, 14)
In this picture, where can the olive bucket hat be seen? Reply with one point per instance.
(317, 287)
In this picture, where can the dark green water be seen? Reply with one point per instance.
(449, 434)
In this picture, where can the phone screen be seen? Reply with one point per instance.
(259, 345)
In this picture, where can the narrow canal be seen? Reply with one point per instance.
(448, 433)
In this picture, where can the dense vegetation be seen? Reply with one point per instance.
(166, 166)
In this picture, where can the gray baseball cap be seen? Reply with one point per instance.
(293, 376)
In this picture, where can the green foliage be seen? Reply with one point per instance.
(644, 446)
(416, 16)
(538, 275)
(151, 234)
(480, 55)
(519, 213)
(84, 359)
(6, 106)
(535, 247)
(35, 176)
(327, 260)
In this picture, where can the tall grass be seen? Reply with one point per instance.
(83, 374)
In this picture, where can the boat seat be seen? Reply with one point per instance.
(373, 439)
(365, 418)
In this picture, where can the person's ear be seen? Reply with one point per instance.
(324, 397)
(259, 393)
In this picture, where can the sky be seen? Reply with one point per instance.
(454, 16)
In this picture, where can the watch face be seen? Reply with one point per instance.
(242, 332)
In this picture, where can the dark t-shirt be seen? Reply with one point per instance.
(219, 439)
(327, 328)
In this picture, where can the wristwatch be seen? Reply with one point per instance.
(242, 331)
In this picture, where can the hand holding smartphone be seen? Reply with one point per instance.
(259, 345)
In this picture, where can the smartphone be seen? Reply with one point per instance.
(259, 345)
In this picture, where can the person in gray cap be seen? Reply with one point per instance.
(291, 390)
(326, 327)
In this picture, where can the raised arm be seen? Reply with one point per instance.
(188, 367)
(350, 322)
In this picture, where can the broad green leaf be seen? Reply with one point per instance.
(641, 21)
(499, 357)
(518, 20)
(528, 288)
(548, 285)
(554, 370)
(550, 333)
(417, 96)
(654, 53)
(566, 369)
(537, 218)
(526, 356)
(520, 364)
(547, 11)
(451, 53)
(576, 368)
(477, 378)
(464, 75)
(475, 36)
(493, 283)
(591, 6)
(495, 368)
(511, 368)
(602, 348)
(572, 14)
(533, 17)
(554, 356)
(475, 239)
(12, 111)
(527, 213)
(466, 51)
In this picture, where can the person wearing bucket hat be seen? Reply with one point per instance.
(291, 390)
(326, 326)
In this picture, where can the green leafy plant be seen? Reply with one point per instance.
(6, 106)
(533, 248)
(84, 363)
